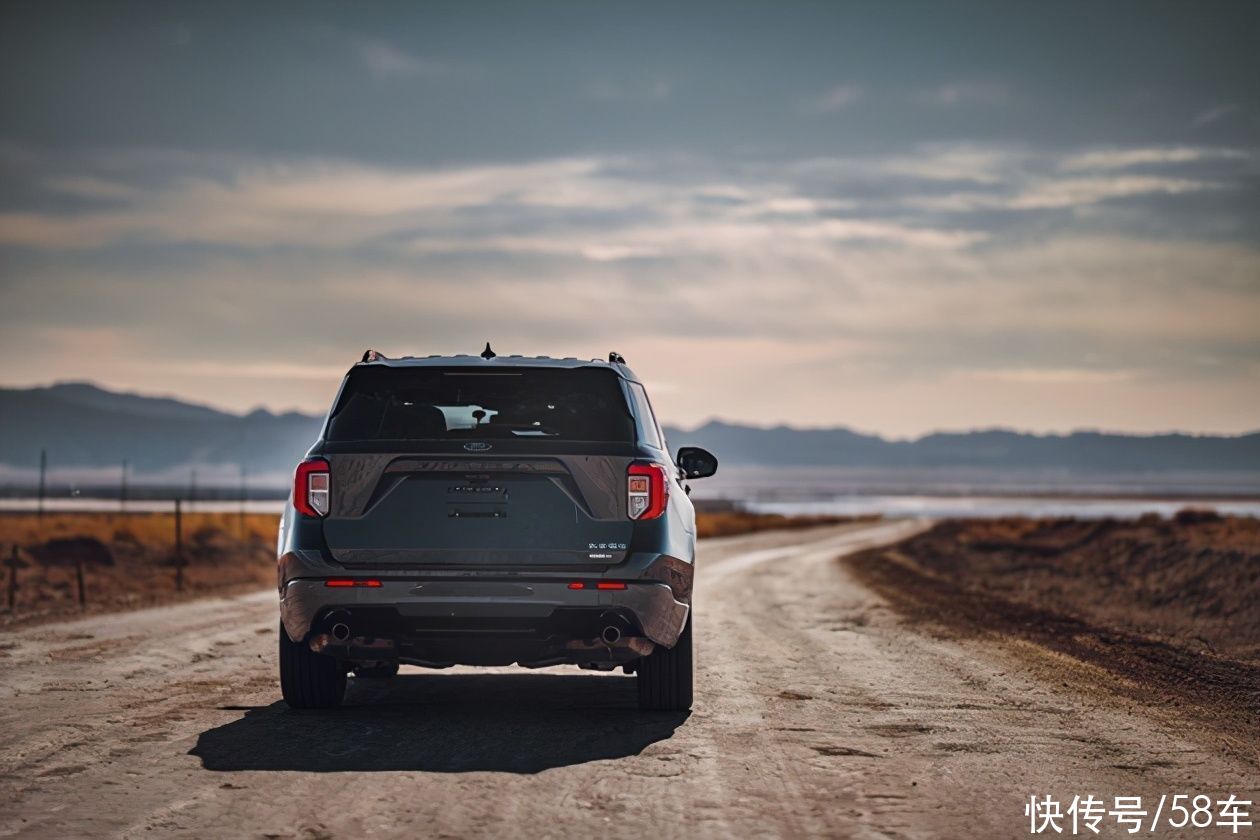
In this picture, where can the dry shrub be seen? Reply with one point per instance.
(70, 551)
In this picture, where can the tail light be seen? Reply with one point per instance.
(311, 487)
(647, 490)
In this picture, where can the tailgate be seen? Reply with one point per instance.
(477, 511)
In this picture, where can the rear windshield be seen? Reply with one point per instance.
(382, 403)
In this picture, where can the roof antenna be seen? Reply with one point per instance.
(488, 353)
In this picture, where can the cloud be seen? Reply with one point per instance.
(1061, 193)
(965, 163)
(602, 208)
(1126, 158)
(91, 188)
(1216, 114)
(541, 207)
(964, 95)
(835, 99)
(387, 62)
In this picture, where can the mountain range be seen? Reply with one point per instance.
(83, 426)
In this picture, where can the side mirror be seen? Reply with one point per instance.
(696, 462)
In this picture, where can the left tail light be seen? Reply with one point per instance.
(647, 490)
(311, 486)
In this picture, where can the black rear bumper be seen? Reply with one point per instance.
(479, 637)
(441, 620)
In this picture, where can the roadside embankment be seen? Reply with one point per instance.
(1170, 606)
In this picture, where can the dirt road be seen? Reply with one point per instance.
(819, 711)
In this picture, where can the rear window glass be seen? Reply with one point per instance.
(649, 431)
(382, 403)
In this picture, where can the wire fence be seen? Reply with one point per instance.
(48, 551)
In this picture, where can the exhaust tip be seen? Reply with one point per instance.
(341, 632)
(611, 634)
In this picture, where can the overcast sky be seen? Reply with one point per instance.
(899, 217)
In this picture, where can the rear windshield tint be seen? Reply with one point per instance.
(382, 403)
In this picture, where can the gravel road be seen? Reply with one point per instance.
(818, 711)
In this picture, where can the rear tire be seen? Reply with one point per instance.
(665, 676)
(309, 680)
(380, 671)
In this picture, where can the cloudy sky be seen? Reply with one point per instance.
(896, 216)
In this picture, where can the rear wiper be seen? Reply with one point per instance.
(523, 429)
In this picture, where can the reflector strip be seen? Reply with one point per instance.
(610, 584)
(577, 584)
(340, 582)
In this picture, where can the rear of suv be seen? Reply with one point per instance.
(487, 510)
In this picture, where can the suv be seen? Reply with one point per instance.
(483, 510)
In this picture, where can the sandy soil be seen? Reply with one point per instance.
(820, 710)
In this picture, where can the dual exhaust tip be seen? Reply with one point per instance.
(611, 634)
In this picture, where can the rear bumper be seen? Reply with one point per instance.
(440, 617)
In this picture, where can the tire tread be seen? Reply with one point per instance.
(309, 680)
(665, 676)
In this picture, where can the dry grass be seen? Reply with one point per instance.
(147, 528)
(128, 559)
(734, 522)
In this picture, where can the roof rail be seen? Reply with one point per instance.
(370, 355)
(616, 359)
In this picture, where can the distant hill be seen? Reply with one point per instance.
(1078, 451)
(83, 426)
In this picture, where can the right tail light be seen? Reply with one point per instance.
(647, 490)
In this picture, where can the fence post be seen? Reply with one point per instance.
(43, 468)
(244, 494)
(179, 549)
(78, 574)
(13, 563)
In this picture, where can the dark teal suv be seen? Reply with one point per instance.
(489, 510)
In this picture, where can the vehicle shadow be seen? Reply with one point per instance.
(456, 723)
